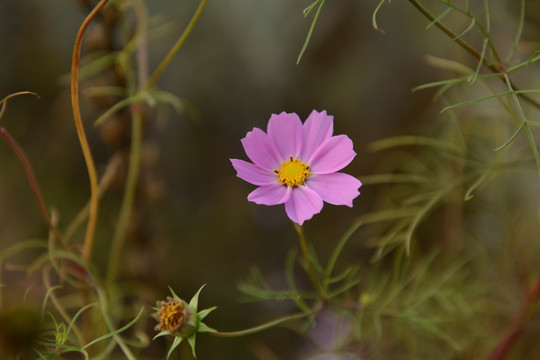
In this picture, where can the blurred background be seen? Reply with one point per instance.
(193, 224)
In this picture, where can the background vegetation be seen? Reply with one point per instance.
(443, 245)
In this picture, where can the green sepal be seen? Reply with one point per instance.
(176, 342)
(205, 328)
(191, 341)
(163, 333)
(194, 302)
(203, 313)
(176, 297)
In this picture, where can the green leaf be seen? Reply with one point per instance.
(116, 332)
(414, 140)
(439, 18)
(471, 25)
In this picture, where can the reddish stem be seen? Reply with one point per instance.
(32, 179)
(529, 306)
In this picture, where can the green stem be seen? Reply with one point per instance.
(314, 281)
(135, 151)
(126, 208)
(262, 326)
(128, 200)
(172, 53)
(495, 68)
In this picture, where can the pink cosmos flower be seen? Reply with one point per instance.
(296, 164)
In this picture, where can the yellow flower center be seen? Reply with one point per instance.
(171, 315)
(293, 172)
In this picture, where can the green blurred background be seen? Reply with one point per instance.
(194, 224)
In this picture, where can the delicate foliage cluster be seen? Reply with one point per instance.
(443, 266)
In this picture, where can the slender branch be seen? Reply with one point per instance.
(94, 203)
(262, 327)
(137, 125)
(174, 50)
(314, 281)
(496, 68)
(33, 182)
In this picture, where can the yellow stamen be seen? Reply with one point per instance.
(293, 172)
(171, 315)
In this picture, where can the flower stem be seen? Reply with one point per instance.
(94, 203)
(314, 281)
(262, 327)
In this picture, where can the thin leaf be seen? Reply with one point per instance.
(471, 25)
(414, 140)
(116, 332)
(511, 138)
(480, 62)
(419, 217)
(310, 7)
(306, 42)
(439, 18)
(137, 98)
(511, 92)
(374, 17)
(517, 38)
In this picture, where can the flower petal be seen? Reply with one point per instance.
(260, 149)
(270, 195)
(317, 128)
(287, 133)
(252, 173)
(336, 188)
(333, 155)
(303, 204)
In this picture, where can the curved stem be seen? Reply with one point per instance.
(28, 167)
(165, 62)
(94, 203)
(262, 327)
(314, 281)
(495, 68)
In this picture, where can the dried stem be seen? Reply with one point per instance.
(33, 182)
(94, 201)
